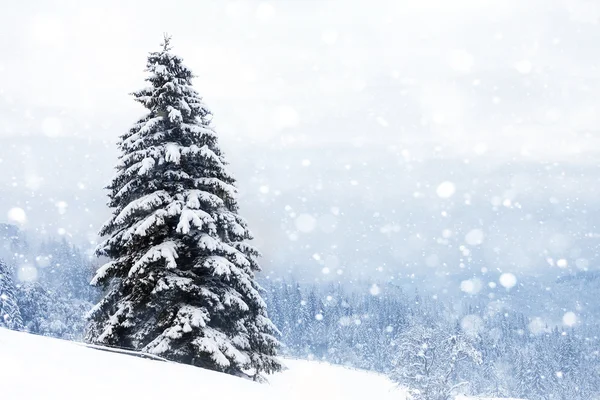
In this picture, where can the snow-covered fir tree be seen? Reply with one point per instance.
(181, 281)
(10, 316)
(428, 357)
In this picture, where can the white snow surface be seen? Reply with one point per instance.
(482, 398)
(35, 367)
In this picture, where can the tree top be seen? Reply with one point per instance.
(166, 44)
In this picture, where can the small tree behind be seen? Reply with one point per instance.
(10, 316)
(427, 361)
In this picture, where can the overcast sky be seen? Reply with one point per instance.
(510, 74)
(350, 112)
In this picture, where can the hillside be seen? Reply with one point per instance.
(35, 367)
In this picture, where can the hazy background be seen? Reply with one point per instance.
(372, 140)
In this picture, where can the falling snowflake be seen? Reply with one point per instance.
(508, 280)
(471, 286)
(569, 319)
(446, 190)
(17, 214)
(474, 237)
(375, 290)
(305, 223)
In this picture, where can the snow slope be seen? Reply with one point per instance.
(481, 398)
(35, 367)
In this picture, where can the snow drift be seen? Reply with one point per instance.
(35, 367)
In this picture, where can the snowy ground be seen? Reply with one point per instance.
(481, 398)
(34, 367)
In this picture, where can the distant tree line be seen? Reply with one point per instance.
(425, 345)
(48, 282)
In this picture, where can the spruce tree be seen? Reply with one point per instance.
(10, 316)
(180, 283)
